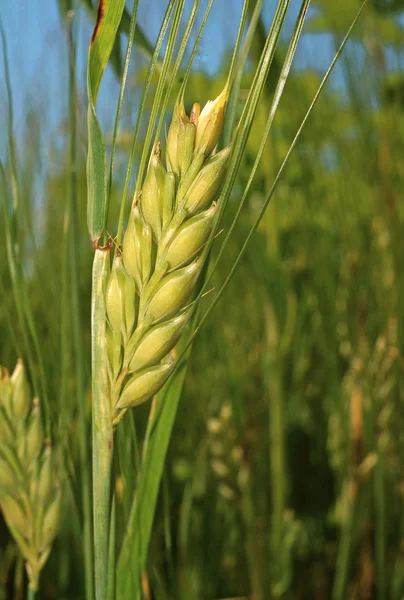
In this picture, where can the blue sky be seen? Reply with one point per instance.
(37, 56)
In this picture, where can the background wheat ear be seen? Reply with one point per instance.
(30, 483)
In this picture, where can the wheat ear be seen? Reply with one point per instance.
(30, 495)
(150, 288)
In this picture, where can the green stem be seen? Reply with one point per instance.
(380, 526)
(344, 548)
(85, 471)
(277, 460)
(31, 593)
(112, 554)
(102, 425)
(19, 578)
(277, 455)
(276, 425)
(252, 541)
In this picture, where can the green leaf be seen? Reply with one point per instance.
(96, 178)
(139, 36)
(102, 41)
(139, 528)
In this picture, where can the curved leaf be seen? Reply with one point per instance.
(102, 41)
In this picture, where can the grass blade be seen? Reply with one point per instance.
(136, 542)
(102, 41)
(131, 34)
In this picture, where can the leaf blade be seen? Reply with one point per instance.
(102, 41)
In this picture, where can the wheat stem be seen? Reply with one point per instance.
(31, 593)
(73, 246)
(102, 425)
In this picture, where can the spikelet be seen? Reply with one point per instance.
(28, 467)
(189, 239)
(152, 194)
(210, 123)
(158, 341)
(170, 224)
(207, 183)
(176, 138)
(20, 392)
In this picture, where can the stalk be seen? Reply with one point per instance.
(344, 548)
(380, 525)
(85, 470)
(102, 425)
(111, 556)
(19, 578)
(277, 458)
(252, 540)
(31, 593)
(276, 424)
(359, 422)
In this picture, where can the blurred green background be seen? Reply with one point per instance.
(285, 473)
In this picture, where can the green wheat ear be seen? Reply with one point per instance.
(30, 495)
(151, 284)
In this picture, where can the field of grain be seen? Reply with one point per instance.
(221, 419)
